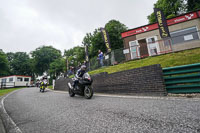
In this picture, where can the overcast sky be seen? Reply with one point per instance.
(28, 24)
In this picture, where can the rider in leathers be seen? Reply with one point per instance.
(79, 75)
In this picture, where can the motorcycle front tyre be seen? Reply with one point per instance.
(88, 92)
(71, 94)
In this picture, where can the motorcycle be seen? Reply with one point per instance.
(82, 88)
(43, 85)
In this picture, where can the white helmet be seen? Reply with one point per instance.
(83, 67)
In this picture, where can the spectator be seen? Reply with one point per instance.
(100, 57)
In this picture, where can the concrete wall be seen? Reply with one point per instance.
(146, 81)
(61, 84)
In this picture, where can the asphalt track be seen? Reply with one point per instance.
(56, 112)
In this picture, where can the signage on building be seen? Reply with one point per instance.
(126, 51)
(179, 19)
(183, 18)
(140, 30)
(106, 39)
(162, 23)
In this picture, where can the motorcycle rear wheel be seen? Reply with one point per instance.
(88, 92)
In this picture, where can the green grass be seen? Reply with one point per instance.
(167, 60)
(6, 91)
(50, 87)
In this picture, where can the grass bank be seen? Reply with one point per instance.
(50, 87)
(168, 60)
(6, 91)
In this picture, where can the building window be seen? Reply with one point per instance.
(153, 51)
(19, 79)
(26, 79)
(133, 43)
(184, 35)
(10, 79)
(151, 40)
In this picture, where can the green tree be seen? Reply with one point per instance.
(170, 8)
(57, 67)
(20, 63)
(114, 29)
(43, 57)
(4, 69)
(75, 55)
(96, 42)
(87, 39)
(193, 5)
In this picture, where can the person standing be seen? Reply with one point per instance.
(100, 56)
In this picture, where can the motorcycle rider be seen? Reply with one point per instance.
(79, 75)
(44, 82)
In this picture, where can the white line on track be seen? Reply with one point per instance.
(16, 128)
(137, 97)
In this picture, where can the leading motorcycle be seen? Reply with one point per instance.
(82, 88)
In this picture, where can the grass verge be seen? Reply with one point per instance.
(168, 60)
(6, 91)
(50, 87)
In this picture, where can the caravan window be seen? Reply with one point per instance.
(26, 79)
(10, 79)
(19, 79)
(3, 80)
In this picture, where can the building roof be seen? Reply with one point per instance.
(178, 19)
(16, 76)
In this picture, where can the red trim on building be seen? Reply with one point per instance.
(16, 76)
(140, 30)
(176, 20)
(183, 18)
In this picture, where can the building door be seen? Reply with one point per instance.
(153, 45)
(134, 49)
(143, 48)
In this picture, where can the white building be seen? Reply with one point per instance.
(15, 81)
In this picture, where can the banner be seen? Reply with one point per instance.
(162, 23)
(106, 39)
(86, 53)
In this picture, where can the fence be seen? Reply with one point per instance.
(182, 79)
(150, 47)
(7, 84)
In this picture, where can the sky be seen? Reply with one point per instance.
(28, 24)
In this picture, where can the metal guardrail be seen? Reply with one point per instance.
(182, 79)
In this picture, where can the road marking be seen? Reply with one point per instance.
(137, 97)
(16, 128)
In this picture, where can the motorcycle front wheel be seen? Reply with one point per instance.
(71, 94)
(88, 92)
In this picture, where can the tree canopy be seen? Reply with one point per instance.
(95, 40)
(193, 5)
(170, 8)
(20, 63)
(75, 55)
(43, 57)
(4, 69)
(57, 67)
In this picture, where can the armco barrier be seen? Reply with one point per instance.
(182, 79)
